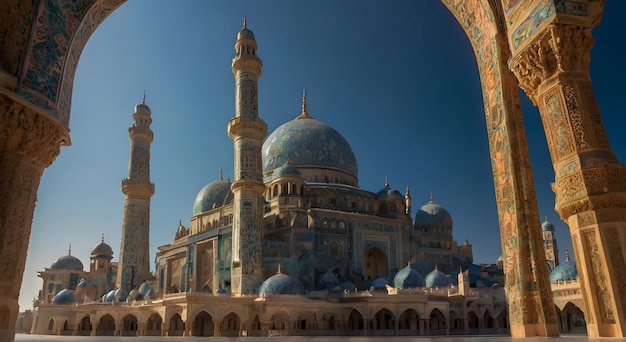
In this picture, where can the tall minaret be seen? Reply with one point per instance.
(134, 263)
(247, 131)
(549, 244)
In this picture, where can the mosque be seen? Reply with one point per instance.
(291, 246)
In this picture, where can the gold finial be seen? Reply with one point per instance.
(69, 251)
(143, 99)
(436, 268)
(431, 198)
(245, 22)
(220, 173)
(408, 192)
(408, 264)
(304, 113)
(278, 272)
(567, 255)
(386, 182)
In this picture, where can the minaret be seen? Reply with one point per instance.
(247, 131)
(134, 263)
(549, 244)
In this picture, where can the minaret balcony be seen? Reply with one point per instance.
(254, 128)
(137, 188)
(141, 132)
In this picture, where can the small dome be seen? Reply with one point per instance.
(212, 195)
(64, 297)
(142, 108)
(134, 295)
(82, 283)
(408, 278)
(67, 262)
(109, 297)
(280, 284)
(102, 250)
(388, 191)
(120, 295)
(436, 278)
(565, 271)
(432, 215)
(347, 286)
(379, 283)
(546, 226)
(146, 290)
(245, 32)
(328, 281)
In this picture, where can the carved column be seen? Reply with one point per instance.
(29, 142)
(590, 184)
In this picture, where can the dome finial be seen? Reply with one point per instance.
(408, 264)
(245, 22)
(567, 255)
(102, 239)
(69, 251)
(386, 182)
(436, 267)
(278, 272)
(143, 99)
(431, 198)
(220, 178)
(304, 113)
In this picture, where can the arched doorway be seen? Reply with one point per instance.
(488, 322)
(456, 324)
(154, 325)
(176, 326)
(231, 325)
(202, 325)
(328, 320)
(437, 323)
(129, 327)
(106, 327)
(355, 323)
(408, 323)
(473, 323)
(84, 326)
(279, 321)
(375, 264)
(384, 323)
(573, 319)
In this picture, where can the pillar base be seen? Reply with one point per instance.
(534, 330)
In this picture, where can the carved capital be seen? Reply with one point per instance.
(27, 133)
(559, 49)
(247, 128)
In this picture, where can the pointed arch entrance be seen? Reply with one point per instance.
(202, 325)
(375, 263)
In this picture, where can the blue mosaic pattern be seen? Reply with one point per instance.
(212, 195)
(286, 169)
(565, 271)
(307, 141)
(408, 278)
(281, 284)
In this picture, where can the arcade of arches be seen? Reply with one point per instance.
(542, 47)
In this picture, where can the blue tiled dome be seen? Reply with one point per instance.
(82, 283)
(436, 278)
(308, 142)
(212, 195)
(388, 191)
(109, 296)
(146, 290)
(134, 295)
(546, 226)
(408, 278)
(379, 283)
(67, 262)
(347, 286)
(432, 215)
(565, 271)
(64, 297)
(280, 284)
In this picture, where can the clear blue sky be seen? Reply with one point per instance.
(397, 79)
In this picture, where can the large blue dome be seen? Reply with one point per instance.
(308, 142)
(408, 278)
(432, 215)
(281, 284)
(565, 271)
(64, 297)
(212, 195)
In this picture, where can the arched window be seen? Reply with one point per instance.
(275, 190)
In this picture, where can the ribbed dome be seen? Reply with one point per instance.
(64, 297)
(408, 278)
(67, 262)
(212, 195)
(388, 191)
(102, 250)
(565, 271)
(280, 284)
(432, 215)
(146, 290)
(308, 143)
(546, 226)
(436, 278)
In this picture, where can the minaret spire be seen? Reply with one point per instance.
(134, 261)
(431, 198)
(69, 250)
(220, 174)
(567, 255)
